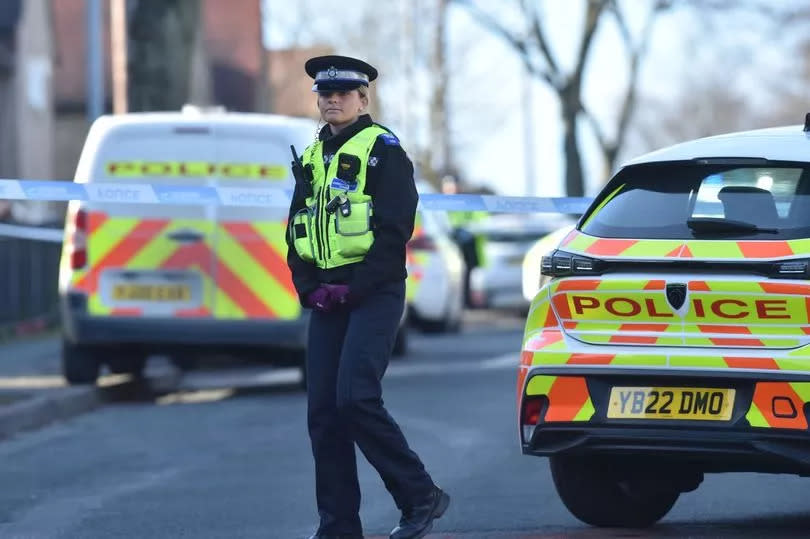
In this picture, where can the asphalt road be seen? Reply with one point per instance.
(209, 461)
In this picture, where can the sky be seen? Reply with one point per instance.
(494, 142)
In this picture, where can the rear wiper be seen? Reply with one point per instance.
(714, 224)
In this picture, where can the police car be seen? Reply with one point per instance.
(673, 338)
(435, 284)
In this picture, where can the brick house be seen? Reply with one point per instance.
(230, 52)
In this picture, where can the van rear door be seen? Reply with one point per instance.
(152, 260)
(253, 280)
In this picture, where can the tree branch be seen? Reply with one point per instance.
(624, 30)
(516, 42)
(538, 33)
(637, 53)
(604, 144)
(595, 8)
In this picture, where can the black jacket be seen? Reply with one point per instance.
(390, 184)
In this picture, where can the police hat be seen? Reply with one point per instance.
(339, 73)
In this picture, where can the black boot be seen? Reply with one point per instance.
(417, 521)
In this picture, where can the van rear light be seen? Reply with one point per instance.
(77, 240)
(78, 259)
(422, 243)
(561, 264)
(80, 220)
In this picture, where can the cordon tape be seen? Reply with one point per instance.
(257, 197)
(264, 197)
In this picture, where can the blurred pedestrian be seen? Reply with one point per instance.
(351, 216)
(467, 234)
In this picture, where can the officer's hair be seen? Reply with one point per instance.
(363, 91)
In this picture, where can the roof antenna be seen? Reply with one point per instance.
(807, 123)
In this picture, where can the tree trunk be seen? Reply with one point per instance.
(611, 153)
(574, 181)
(440, 130)
(161, 45)
(8, 115)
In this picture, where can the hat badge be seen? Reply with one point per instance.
(332, 72)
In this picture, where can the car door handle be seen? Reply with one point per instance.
(186, 236)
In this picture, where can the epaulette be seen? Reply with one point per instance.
(390, 139)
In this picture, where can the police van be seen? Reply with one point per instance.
(179, 277)
(673, 336)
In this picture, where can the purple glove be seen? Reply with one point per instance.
(320, 299)
(339, 293)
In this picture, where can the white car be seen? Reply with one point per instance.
(498, 283)
(435, 284)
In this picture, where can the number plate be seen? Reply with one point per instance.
(174, 293)
(713, 404)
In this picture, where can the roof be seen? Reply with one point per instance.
(196, 118)
(788, 143)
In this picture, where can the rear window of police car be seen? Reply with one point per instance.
(691, 200)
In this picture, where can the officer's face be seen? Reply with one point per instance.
(340, 108)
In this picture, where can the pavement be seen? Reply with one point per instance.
(33, 392)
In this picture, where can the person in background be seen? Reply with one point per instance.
(471, 243)
(351, 215)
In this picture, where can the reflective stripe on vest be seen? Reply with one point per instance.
(336, 238)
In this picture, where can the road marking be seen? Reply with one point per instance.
(196, 397)
(505, 361)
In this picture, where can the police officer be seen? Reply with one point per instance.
(351, 215)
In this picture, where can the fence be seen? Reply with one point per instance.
(29, 273)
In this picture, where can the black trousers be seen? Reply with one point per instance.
(347, 356)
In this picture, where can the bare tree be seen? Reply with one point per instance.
(416, 95)
(711, 101)
(9, 17)
(704, 108)
(532, 44)
(791, 98)
(442, 161)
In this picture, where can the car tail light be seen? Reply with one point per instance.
(422, 243)
(560, 264)
(77, 240)
(531, 414)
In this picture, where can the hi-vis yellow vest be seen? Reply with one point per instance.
(335, 238)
